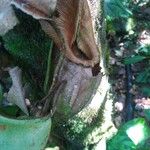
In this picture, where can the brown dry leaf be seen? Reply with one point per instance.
(144, 37)
(143, 103)
(16, 94)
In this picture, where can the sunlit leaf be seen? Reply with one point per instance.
(130, 24)
(129, 136)
(25, 134)
(54, 148)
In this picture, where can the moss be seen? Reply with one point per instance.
(80, 132)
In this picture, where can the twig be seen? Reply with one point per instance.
(129, 103)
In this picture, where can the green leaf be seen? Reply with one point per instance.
(28, 134)
(28, 43)
(130, 24)
(130, 135)
(29, 46)
(147, 114)
(144, 76)
(134, 59)
(9, 110)
(146, 91)
(145, 49)
(145, 145)
(116, 9)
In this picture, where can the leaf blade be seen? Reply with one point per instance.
(24, 134)
(134, 59)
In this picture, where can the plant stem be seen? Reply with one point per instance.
(48, 69)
